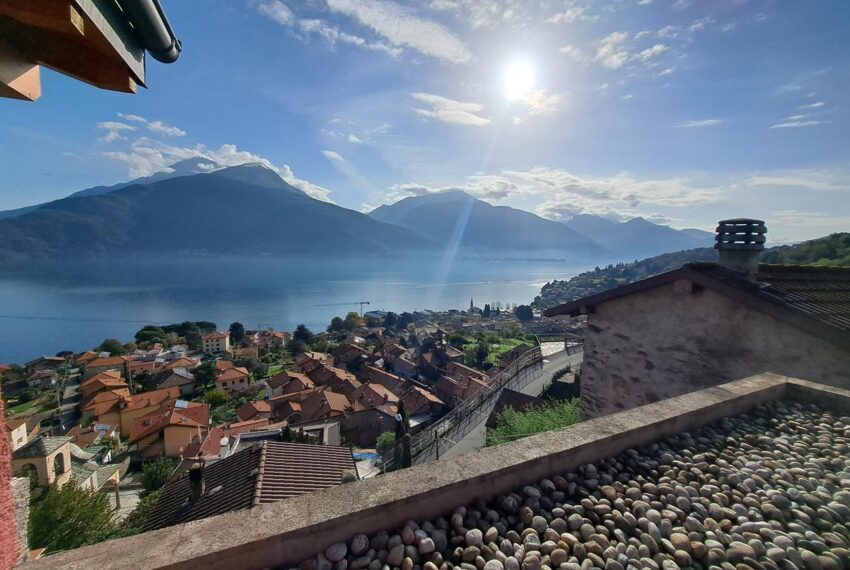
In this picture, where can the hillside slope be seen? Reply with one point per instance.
(245, 209)
(456, 219)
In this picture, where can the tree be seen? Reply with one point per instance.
(69, 517)
(194, 339)
(155, 473)
(385, 442)
(486, 312)
(150, 334)
(352, 321)
(303, 334)
(404, 319)
(205, 373)
(129, 347)
(254, 365)
(172, 338)
(215, 397)
(524, 313)
(336, 325)
(137, 518)
(237, 333)
(111, 345)
(391, 320)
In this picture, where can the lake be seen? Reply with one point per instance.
(74, 306)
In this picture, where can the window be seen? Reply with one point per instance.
(59, 464)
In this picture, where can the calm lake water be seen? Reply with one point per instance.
(75, 306)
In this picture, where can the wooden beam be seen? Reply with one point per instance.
(68, 55)
(19, 77)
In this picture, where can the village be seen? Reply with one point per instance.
(185, 394)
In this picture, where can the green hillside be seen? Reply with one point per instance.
(832, 250)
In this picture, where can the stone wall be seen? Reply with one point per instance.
(21, 498)
(9, 548)
(668, 341)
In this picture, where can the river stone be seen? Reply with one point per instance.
(336, 552)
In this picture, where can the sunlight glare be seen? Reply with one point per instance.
(518, 80)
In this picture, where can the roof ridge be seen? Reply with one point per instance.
(258, 489)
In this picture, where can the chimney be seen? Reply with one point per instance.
(196, 480)
(223, 444)
(740, 242)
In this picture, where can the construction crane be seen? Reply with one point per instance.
(361, 303)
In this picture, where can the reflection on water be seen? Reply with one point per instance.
(75, 306)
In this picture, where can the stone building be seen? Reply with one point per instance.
(709, 323)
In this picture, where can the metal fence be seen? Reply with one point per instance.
(427, 445)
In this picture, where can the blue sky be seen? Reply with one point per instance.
(680, 111)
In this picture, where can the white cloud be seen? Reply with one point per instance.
(611, 53)
(575, 53)
(627, 96)
(816, 105)
(154, 126)
(278, 12)
(450, 111)
(146, 156)
(667, 71)
(354, 139)
(651, 52)
(542, 102)
(332, 155)
(169, 130)
(398, 25)
(796, 124)
(805, 179)
(113, 131)
(698, 123)
(571, 14)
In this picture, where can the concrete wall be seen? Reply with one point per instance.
(668, 341)
(284, 533)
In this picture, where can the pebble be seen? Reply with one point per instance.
(767, 490)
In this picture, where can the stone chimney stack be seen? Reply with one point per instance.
(196, 480)
(740, 243)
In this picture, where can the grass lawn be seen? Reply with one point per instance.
(21, 408)
(497, 349)
(512, 425)
(275, 369)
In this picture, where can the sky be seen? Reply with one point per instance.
(680, 111)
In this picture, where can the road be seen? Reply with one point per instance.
(475, 439)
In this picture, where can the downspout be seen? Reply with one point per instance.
(153, 29)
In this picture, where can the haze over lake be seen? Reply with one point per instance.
(74, 306)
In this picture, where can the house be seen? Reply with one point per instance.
(44, 363)
(363, 428)
(336, 379)
(170, 429)
(44, 379)
(181, 362)
(84, 358)
(46, 459)
(297, 382)
(375, 318)
(92, 434)
(103, 364)
(420, 401)
(393, 351)
(458, 389)
(276, 384)
(222, 365)
(233, 380)
(143, 403)
(215, 342)
(257, 409)
(307, 361)
(321, 405)
(389, 381)
(350, 357)
(16, 432)
(105, 407)
(405, 368)
(180, 378)
(140, 367)
(109, 380)
(705, 324)
(266, 472)
(369, 396)
(288, 410)
(245, 352)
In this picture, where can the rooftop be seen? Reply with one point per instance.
(815, 298)
(283, 535)
(265, 473)
(40, 447)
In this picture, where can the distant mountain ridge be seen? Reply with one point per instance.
(456, 219)
(638, 238)
(244, 209)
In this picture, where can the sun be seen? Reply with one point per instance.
(518, 80)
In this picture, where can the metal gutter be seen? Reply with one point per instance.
(153, 29)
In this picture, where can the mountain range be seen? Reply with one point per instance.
(199, 207)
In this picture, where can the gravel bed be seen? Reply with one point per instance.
(769, 489)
